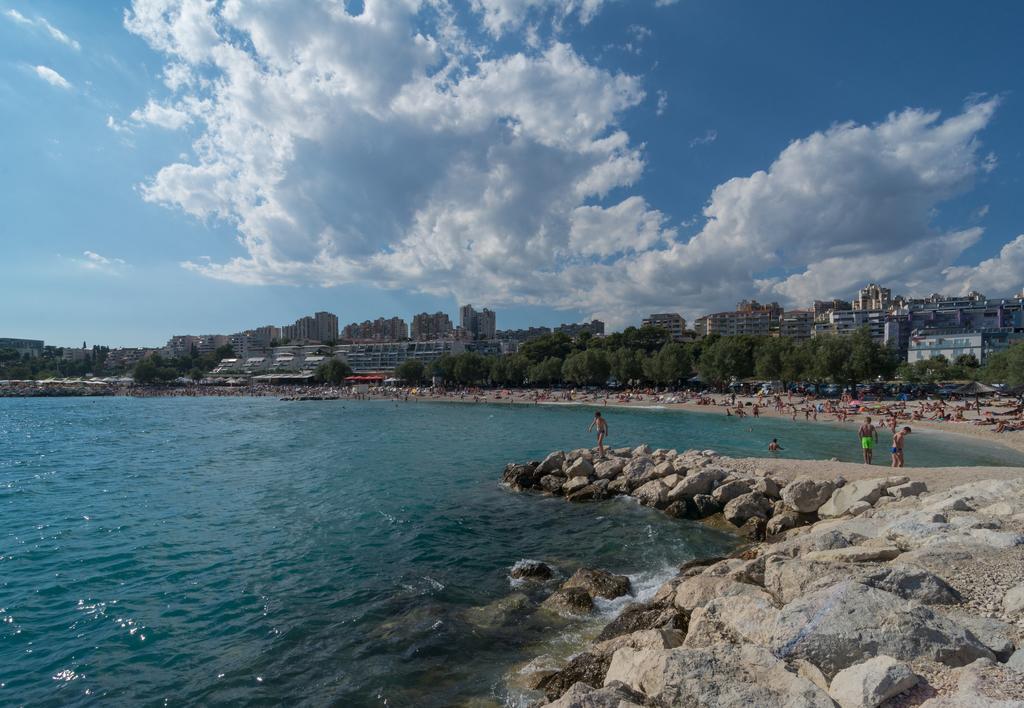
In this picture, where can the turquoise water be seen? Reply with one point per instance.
(252, 551)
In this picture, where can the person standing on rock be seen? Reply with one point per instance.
(868, 435)
(897, 446)
(602, 431)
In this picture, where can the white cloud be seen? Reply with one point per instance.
(51, 77)
(709, 137)
(502, 16)
(389, 148)
(95, 262)
(170, 117)
(42, 23)
(663, 103)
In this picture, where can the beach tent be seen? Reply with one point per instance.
(975, 388)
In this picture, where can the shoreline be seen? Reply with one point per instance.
(922, 571)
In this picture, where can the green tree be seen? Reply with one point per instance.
(590, 367)
(669, 366)
(627, 365)
(725, 358)
(196, 374)
(151, 369)
(546, 372)
(444, 368)
(333, 371)
(1006, 366)
(411, 371)
(556, 344)
(471, 368)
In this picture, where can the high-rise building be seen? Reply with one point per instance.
(477, 324)
(594, 327)
(671, 321)
(796, 324)
(436, 326)
(823, 307)
(321, 327)
(326, 327)
(873, 297)
(393, 329)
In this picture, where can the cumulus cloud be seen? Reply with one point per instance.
(390, 148)
(51, 77)
(44, 25)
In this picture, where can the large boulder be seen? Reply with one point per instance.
(737, 619)
(520, 477)
(997, 635)
(908, 489)
(569, 601)
(701, 506)
(747, 506)
(720, 675)
(598, 583)
(595, 491)
(1013, 601)
(574, 484)
(552, 463)
(731, 489)
(643, 639)
(911, 583)
(847, 623)
(699, 482)
(872, 682)
(636, 471)
(587, 668)
(702, 589)
(580, 467)
(769, 487)
(652, 493)
(861, 490)
(609, 469)
(552, 483)
(641, 616)
(500, 612)
(614, 695)
(806, 495)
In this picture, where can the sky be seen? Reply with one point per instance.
(195, 166)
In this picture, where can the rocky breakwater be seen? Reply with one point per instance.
(867, 593)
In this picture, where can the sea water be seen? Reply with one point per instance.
(245, 550)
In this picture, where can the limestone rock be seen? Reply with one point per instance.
(531, 569)
(569, 601)
(699, 482)
(702, 589)
(642, 639)
(581, 467)
(609, 469)
(574, 484)
(730, 490)
(788, 519)
(806, 495)
(855, 554)
(997, 635)
(598, 583)
(861, 490)
(912, 583)
(551, 483)
(746, 506)
(768, 487)
(640, 616)
(520, 477)
(652, 493)
(701, 506)
(872, 682)
(552, 463)
(908, 489)
(500, 612)
(614, 695)
(753, 529)
(595, 491)
(841, 625)
(736, 619)
(720, 675)
(619, 485)
(1016, 661)
(1013, 600)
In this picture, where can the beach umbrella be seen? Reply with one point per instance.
(975, 388)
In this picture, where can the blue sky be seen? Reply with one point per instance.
(190, 167)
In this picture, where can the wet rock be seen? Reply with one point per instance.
(551, 483)
(586, 668)
(753, 529)
(619, 485)
(592, 492)
(640, 616)
(652, 493)
(598, 583)
(500, 612)
(574, 484)
(614, 695)
(531, 570)
(676, 510)
(701, 506)
(520, 477)
(569, 601)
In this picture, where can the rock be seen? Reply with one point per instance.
(500, 612)
(855, 554)
(858, 508)
(699, 482)
(598, 583)
(637, 470)
(806, 495)
(753, 529)
(608, 469)
(581, 467)
(908, 489)
(531, 570)
(1013, 600)
(786, 520)
(701, 506)
(676, 510)
(731, 489)
(846, 623)
(746, 506)
(789, 578)
(736, 619)
(551, 483)
(574, 484)
(1016, 661)
(642, 639)
(998, 509)
(552, 463)
(652, 493)
(872, 682)
(997, 635)
(896, 480)
(720, 675)
(700, 563)
(641, 616)
(614, 695)
(578, 453)
(619, 485)
(569, 601)
(912, 583)
(702, 589)
(587, 668)
(520, 477)
(641, 450)
(768, 487)
(592, 492)
(862, 490)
